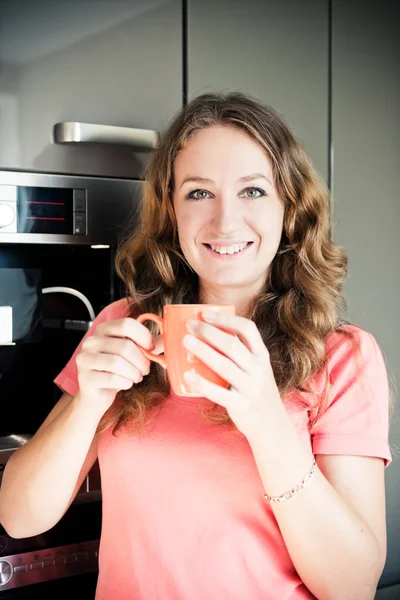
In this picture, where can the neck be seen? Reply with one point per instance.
(240, 298)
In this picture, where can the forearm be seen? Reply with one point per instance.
(40, 477)
(333, 550)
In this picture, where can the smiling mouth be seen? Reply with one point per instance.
(231, 250)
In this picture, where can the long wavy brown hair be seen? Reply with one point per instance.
(302, 300)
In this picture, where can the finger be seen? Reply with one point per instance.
(111, 381)
(158, 344)
(129, 328)
(110, 363)
(123, 347)
(204, 388)
(220, 364)
(226, 343)
(245, 329)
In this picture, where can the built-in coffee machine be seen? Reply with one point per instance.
(58, 236)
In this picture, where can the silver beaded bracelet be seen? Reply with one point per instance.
(295, 489)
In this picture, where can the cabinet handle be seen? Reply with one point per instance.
(71, 131)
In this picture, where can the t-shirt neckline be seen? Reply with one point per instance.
(190, 400)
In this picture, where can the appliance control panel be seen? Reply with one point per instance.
(28, 568)
(42, 210)
(53, 208)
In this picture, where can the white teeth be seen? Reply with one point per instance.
(229, 249)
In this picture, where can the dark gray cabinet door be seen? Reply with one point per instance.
(113, 62)
(276, 50)
(366, 134)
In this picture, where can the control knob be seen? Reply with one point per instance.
(6, 572)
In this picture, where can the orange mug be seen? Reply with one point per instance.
(177, 358)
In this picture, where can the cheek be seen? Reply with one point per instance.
(269, 225)
(186, 237)
(189, 226)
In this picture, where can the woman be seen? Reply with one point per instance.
(193, 487)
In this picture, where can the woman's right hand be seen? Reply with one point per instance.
(110, 360)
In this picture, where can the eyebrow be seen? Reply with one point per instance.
(196, 179)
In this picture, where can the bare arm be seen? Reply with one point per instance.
(43, 477)
(334, 528)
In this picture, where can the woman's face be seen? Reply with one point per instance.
(228, 212)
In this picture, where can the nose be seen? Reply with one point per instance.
(227, 215)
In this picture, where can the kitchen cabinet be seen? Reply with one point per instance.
(365, 135)
(275, 50)
(110, 62)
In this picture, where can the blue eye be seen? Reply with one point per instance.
(199, 194)
(191, 195)
(260, 191)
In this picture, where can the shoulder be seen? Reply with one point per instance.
(352, 416)
(356, 371)
(352, 344)
(116, 310)
(354, 367)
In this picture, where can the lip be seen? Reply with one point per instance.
(227, 256)
(226, 243)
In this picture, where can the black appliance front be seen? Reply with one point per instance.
(63, 558)
(54, 280)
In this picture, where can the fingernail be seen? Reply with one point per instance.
(190, 340)
(210, 315)
(190, 376)
(191, 324)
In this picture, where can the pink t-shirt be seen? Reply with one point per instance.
(184, 513)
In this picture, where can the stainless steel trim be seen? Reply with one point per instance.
(8, 193)
(49, 563)
(73, 131)
(14, 441)
(111, 205)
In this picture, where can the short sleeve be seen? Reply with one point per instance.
(356, 419)
(67, 379)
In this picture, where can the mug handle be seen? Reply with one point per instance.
(160, 322)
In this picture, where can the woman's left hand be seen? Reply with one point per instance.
(253, 401)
